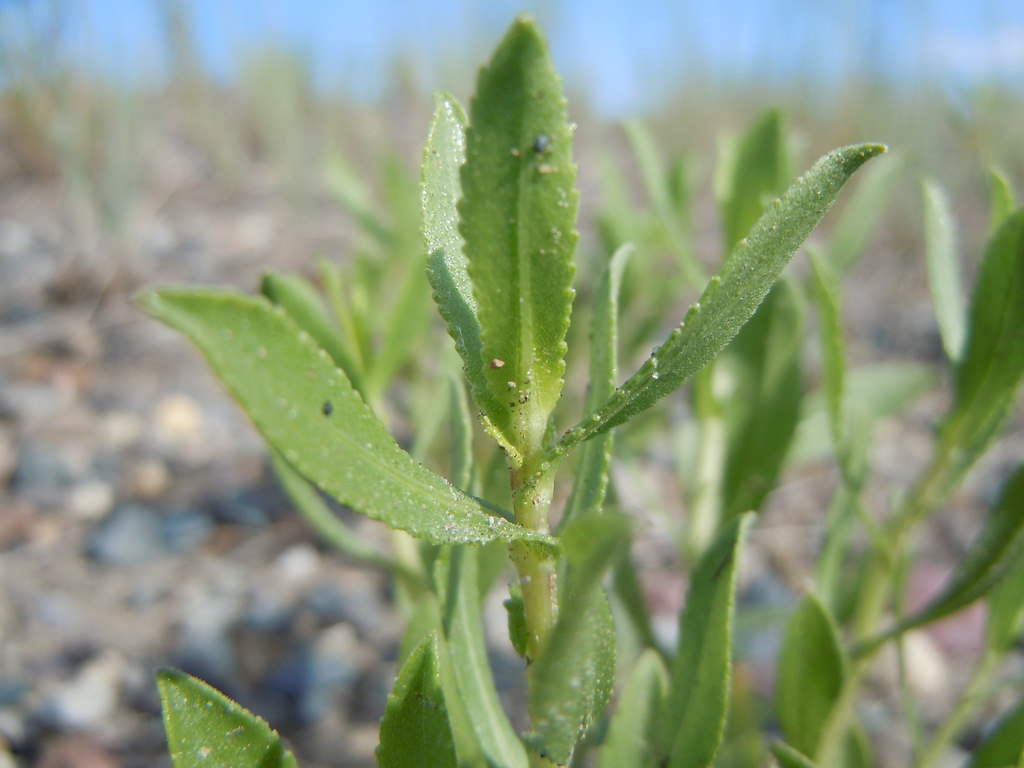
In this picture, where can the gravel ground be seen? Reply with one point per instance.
(140, 527)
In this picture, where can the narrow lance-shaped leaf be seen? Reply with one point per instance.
(1006, 602)
(464, 630)
(944, 269)
(759, 171)
(301, 301)
(1004, 746)
(833, 362)
(305, 408)
(732, 297)
(517, 215)
(990, 369)
(694, 718)
(446, 261)
(572, 680)
(1001, 202)
(789, 757)
(763, 410)
(810, 675)
(591, 479)
(415, 730)
(631, 733)
(206, 729)
(987, 561)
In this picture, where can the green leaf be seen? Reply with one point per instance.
(944, 269)
(443, 157)
(759, 172)
(518, 217)
(789, 757)
(810, 674)
(833, 365)
(858, 218)
(664, 192)
(694, 718)
(300, 300)
(986, 563)
(516, 611)
(872, 392)
(630, 739)
(312, 507)
(307, 410)
(591, 479)
(206, 729)
(1004, 746)
(415, 730)
(763, 407)
(1006, 602)
(1001, 204)
(404, 327)
(991, 367)
(572, 679)
(463, 627)
(732, 297)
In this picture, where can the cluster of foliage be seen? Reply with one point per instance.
(499, 209)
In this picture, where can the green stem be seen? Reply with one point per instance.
(974, 694)
(706, 506)
(537, 578)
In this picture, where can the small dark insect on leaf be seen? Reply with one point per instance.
(541, 143)
(328, 408)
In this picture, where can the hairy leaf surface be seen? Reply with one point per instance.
(206, 729)
(306, 408)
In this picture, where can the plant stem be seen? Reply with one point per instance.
(532, 503)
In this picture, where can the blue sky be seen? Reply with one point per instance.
(622, 56)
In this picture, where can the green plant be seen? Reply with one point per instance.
(499, 217)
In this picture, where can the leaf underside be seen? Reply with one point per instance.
(306, 409)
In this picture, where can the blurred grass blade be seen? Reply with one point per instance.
(572, 680)
(306, 409)
(404, 328)
(859, 216)
(632, 730)
(206, 729)
(1004, 746)
(461, 474)
(762, 412)
(984, 565)
(464, 631)
(732, 297)
(300, 300)
(1001, 203)
(659, 188)
(1006, 603)
(872, 392)
(810, 674)
(343, 312)
(415, 730)
(833, 357)
(693, 721)
(311, 506)
(517, 215)
(940, 239)
(789, 757)
(990, 370)
(758, 173)
(591, 479)
(356, 198)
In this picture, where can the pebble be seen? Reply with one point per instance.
(89, 698)
(185, 530)
(121, 429)
(334, 666)
(297, 565)
(91, 500)
(130, 535)
(149, 478)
